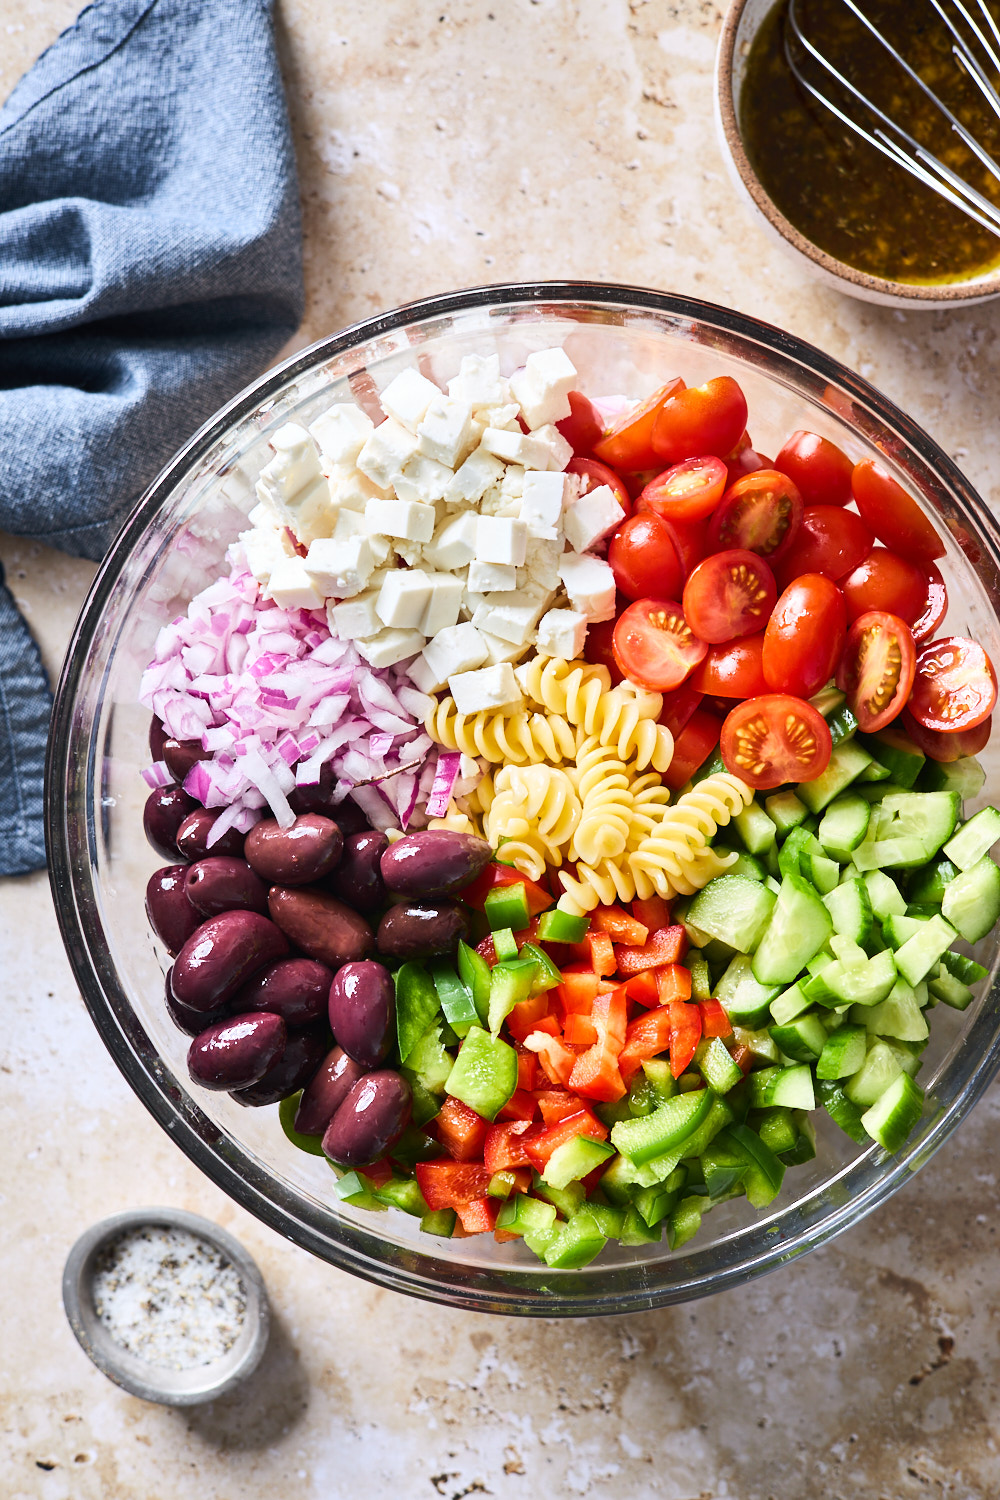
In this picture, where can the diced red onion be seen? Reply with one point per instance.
(448, 763)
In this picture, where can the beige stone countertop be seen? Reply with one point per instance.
(444, 145)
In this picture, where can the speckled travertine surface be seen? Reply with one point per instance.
(443, 146)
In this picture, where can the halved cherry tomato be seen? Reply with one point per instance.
(761, 512)
(804, 636)
(732, 670)
(655, 646)
(774, 739)
(954, 687)
(876, 669)
(700, 419)
(692, 747)
(728, 595)
(583, 427)
(643, 558)
(884, 580)
(688, 491)
(628, 443)
(893, 515)
(820, 469)
(691, 540)
(936, 607)
(678, 707)
(831, 541)
(598, 648)
(744, 459)
(947, 747)
(594, 474)
(637, 482)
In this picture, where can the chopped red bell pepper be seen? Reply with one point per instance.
(556, 1104)
(479, 1216)
(504, 1148)
(618, 925)
(460, 1130)
(602, 953)
(451, 1184)
(652, 911)
(673, 982)
(579, 1031)
(685, 1034)
(642, 988)
(577, 992)
(596, 1071)
(743, 1058)
(666, 946)
(520, 1106)
(379, 1173)
(527, 1070)
(540, 1147)
(714, 1021)
(647, 1036)
(525, 1016)
(555, 1057)
(475, 893)
(486, 950)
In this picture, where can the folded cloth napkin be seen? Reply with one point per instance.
(150, 266)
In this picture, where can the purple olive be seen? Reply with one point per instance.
(298, 855)
(436, 862)
(370, 1120)
(221, 955)
(181, 755)
(170, 913)
(358, 878)
(421, 929)
(302, 1055)
(319, 798)
(326, 1091)
(220, 883)
(296, 988)
(363, 1011)
(164, 812)
(192, 836)
(192, 1022)
(237, 1051)
(157, 738)
(320, 925)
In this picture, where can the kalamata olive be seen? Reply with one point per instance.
(305, 852)
(326, 1091)
(296, 988)
(371, 1118)
(320, 925)
(421, 929)
(192, 836)
(435, 862)
(157, 738)
(319, 798)
(164, 812)
(302, 1055)
(363, 1011)
(181, 755)
(358, 878)
(237, 1051)
(220, 883)
(220, 956)
(192, 1022)
(170, 913)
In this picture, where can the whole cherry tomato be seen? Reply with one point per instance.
(831, 541)
(678, 707)
(804, 636)
(643, 558)
(732, 670)
(893, 515)
(628, 442)
(773, 739)
(744, 459)
(699, 420)
(884, 580)
(692, 747)
(688, 491)
(821, 470)
(876, 669)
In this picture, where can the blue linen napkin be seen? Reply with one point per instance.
(150, 266)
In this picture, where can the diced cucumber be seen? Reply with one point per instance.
(894, 1114)
(760, 1044)
(884, 894)
(701, 979)
(951, 991)
(743, 863)
(745, 1000)
(974, 839)
(898, 930)
(964, 776)
(847, 950)
(846, 762)
(841, 724)
(965, 969)
(800, 925)
(791, 852)
(790, 1086)
(928, 884)
(786, 811)
(972, 901)
(802, 1040)
(777, 1128)
(718, 1069)
(789, 1004)
(755, 828)
(828, 701)
(733, 909)
(897, 752)
(850, 907)
(898, 1016)
(844, 825)
(922, 952)
(911, 828)
(880, 1068)
(861, 984)
(843, 1053)
(842, 1111)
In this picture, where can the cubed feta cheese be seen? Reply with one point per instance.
(479, 382)
(541, 566)
(458, 648)
(423, 480)
(492, 578)
(295, 462)
(511, 622)
(472, 600)
(543, 386)
(441, 609)
(340, 567)
(355, 619)
(498, 650)
(390, 646)
(264, 549)
(308, 513)
(543, 496)
(293, 486)
(263, 517)
(403, 598)
(352, 490)
(407, 398)
(490, 687)
(403, 518)
(447, 431)
(386, 452)
(292, 586)
(550, 441)
(592, 517)
(501, 540)
(454, 546)
(348, 523)
(342, 432)
(503, 417)
(535, 450)
(475, 476)
(590, 584)
(561, 632)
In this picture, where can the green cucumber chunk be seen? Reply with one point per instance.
(974, 839)
(755, 828)
(802, 1040)
(842, 1111)
(949, 990)
(964, 776)
(786, 811)
(733, 909)
(894, 1114)
(843, 1052)
(929, 883)
(799, 927)
(792, 1087)
(898, 1016)
(850, 908)
(847, 762)
(897, 752)
(789, 1004)
(881, 1067)
(922, 952)
(972, 901)
(884, 894)
(844, 825)
(745, 1000)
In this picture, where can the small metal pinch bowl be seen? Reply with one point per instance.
(143, 1377)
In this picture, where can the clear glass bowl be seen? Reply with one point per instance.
(623, 340)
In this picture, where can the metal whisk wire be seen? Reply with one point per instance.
(922, 164)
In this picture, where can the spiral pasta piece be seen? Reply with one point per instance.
(672, 859)
(571, 689)
(624, 716)
(534, 813)
(515, 739)
(602, 782)
(596, 885)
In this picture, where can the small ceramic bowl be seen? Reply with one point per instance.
(137, 1376)
(743, 21)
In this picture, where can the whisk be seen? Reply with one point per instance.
(890, 138)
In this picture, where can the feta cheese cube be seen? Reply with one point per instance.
(591, 517)
(296, 462)
(423, 480)
(458, 648)
(293, 486)
(447, 431)
(561, 632)
(550, 441)
(490, 687)
(348, 523)
(441, 610)
(472, 600)
(352, 490)
(475, 476)
(511, 622)
(479, 382)
(501, 540)
(262, 517)
(541, 565)
(498, 650)
(355, 619)
(590, 584)
(264, 550)
(536, 450)
(542, 499)
(403, 598)
(342, 432)
(492, 578)
(454, 546)
(403, 518)
(504, 416)
(543, 386)
(407, 398)
(308, 513)
(386, 452)
(389, 647)
(292, 586)
(340, 567)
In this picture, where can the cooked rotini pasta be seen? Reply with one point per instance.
(514, 739)
(534, 814)
(673, 858)
(602, 783)
(623, 716)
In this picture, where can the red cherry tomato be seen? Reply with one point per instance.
(583, 427)
(761, 512)
(886, 581)
(644, 559)
(594, 474)
(936, 607)
(692, 747)
(830, 541)
(804, 636)
(628, 442)
(732, 670)
(743, 459)
(954, 687)
(687, 492)
(678, 707)
(689, 537)
(773, 739)
(598, 647)
(876, 669)
(655, 646)
(637, 482)
(893, 515)
(700, 419)
(820, 470)
(947, 747)
(728, 595)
